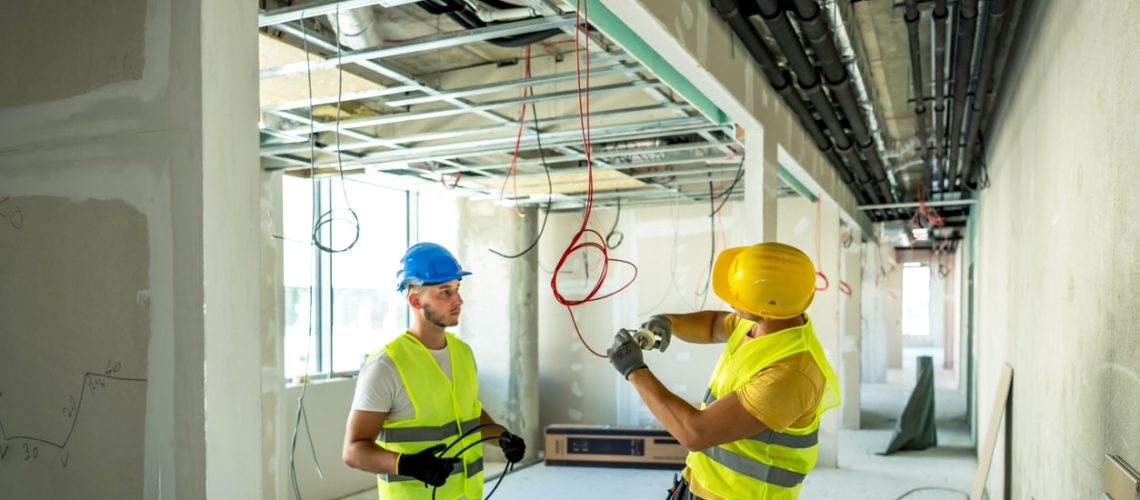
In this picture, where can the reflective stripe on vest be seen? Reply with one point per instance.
(779, 438)
(472, 469)
(751, 468)
(768, 465)
(439, 433)
(445, 407)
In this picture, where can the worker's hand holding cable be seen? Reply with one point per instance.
(513, 446)
(426, 466)
(625, 354)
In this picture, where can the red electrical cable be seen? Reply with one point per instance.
(512, 172)
(577, 242)
(455, 183)
(845, 288)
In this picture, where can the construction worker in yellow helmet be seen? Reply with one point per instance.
(755, 435)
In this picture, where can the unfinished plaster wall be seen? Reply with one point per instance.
(1058, 270)
(130, 121)
(851, 340)
(874, 318)
(803, 223)
(500, 314)
(671, 247)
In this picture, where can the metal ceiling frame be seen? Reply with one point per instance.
(704, 156)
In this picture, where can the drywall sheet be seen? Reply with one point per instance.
(67, 48)
(74, 327)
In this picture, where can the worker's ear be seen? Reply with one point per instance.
(414, 299)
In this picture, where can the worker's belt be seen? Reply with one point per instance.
(778, 438)
(472, 469)
(751, 468)
(438, 433)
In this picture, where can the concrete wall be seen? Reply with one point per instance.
(500, 314)
(875, 319)
(154, 109)
(1057, 270)
(851, 331)
(327, 404)
(798, 220)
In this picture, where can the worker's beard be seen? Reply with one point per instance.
(440, 320)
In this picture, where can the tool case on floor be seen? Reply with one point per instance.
(612, 446)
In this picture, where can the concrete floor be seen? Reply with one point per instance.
(861, 473)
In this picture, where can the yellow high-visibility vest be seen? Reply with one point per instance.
(444, 409)
(769, 465)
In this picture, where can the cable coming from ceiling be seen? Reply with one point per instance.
(577, 242)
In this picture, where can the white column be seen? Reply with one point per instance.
(760, 187)
(851, 342)
(825, 316)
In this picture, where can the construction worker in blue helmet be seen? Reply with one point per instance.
(756, 433)
(416, 418)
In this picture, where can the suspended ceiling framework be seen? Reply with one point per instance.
(437, 97)
(439, 103)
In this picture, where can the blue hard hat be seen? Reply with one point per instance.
(426, 264)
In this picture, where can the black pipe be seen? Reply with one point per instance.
(729, 10)
(458, 12)
(834, 71)
(982, 88)
(967, 29)
(941, 13)
(818, 34)
(845, 165)
(913, 17)
(806, 76)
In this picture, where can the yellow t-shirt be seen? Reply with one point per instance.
(783, 394)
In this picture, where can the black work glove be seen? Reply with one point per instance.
(513, 446)
(663, 327)
(427, 467)
(625, 354)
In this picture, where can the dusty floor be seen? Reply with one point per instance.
(861, 473)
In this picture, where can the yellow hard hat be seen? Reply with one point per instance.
(770, 280)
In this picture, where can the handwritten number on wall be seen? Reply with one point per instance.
(92, 382)
(14, 217)
(31, 452)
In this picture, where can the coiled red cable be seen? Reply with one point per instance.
(582, 238)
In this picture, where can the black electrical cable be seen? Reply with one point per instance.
(469, 446)
(931, 488)
(727, 193)
(736, 178)
(330, 216)
(549, 188)
(613, 230)
(712, 238)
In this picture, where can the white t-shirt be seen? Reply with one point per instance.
(379, 387)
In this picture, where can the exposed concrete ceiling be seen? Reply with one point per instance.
(882, 35)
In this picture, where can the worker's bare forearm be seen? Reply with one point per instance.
(699, 327)
(491, 430)
(370, 457)
(678, 417)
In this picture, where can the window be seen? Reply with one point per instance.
(352, 294)
(298, 255)
(916, 299)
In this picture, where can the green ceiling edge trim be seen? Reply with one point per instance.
(605, 20)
